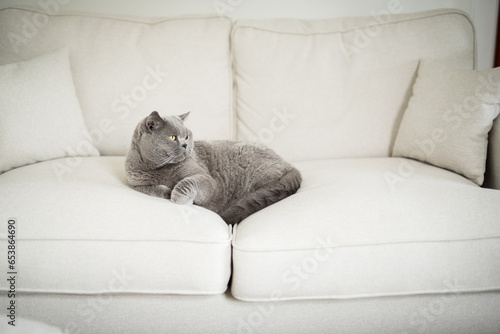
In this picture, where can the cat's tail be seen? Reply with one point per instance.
(264, 196)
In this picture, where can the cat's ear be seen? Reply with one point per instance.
(184, 116)
(154, 121)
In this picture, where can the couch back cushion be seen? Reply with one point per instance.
(124, 68)
(338, 88)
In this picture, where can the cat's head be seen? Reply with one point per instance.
(163, 141)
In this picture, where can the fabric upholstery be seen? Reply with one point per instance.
(87, 231)
(27, 326)
(40, 116)
(124, 68)
(450, 313)
(370, 227)
(337, 88)
(449, 117)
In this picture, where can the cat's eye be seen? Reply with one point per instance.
(186, 138)
(173, 138)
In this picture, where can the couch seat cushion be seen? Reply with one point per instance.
(86, 231)
(370, 227)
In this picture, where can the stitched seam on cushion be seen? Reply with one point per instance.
(424, 15)
(131, 19)
(374, 295)
(353, 245)
(125, 292)
(229, 239)
(396, 21)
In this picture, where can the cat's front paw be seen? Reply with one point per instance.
(179, 198)
(165, 191)
(182, 194)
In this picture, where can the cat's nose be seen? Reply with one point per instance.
(184, 145)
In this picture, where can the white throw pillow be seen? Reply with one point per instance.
(40, 116)
(448, 118)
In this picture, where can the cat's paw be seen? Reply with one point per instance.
(182, 194)
(165, 191)
(179, 198)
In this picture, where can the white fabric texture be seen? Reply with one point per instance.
(40, 117)
(87, 231)
(370, 227)
(449, 117)
(124, 68)
(337, 88)
(451, 313)
(28, 326)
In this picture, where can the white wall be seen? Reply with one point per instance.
(483, 12)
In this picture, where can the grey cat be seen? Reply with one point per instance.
(233, 179)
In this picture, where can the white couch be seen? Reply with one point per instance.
(373, 242)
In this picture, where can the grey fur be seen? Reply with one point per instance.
(233, 179)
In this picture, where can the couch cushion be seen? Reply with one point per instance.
(448, 118)
(370, 227)
(38, 123)
(337, 88)
(126, 67)
(86, 231)
(23, 326)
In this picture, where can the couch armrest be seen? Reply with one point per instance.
(492, 176)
